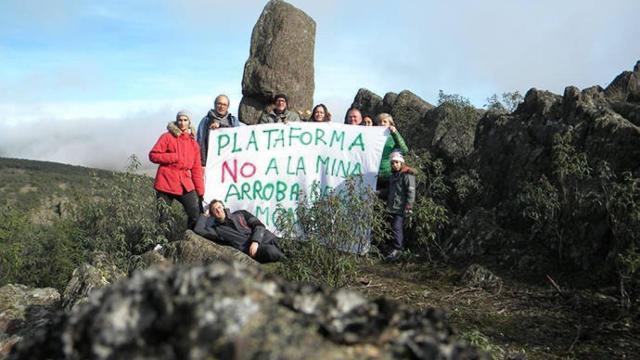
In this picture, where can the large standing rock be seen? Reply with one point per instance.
(229, 310)
(280, 61)
(23, 311)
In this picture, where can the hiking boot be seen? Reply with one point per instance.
(393, 255)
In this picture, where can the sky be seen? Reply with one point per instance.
(92, 82)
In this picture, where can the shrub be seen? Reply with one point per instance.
(323, 236)
(623, 205)
(430, 215)
(126, 223)
(37, 255)
(508, 103)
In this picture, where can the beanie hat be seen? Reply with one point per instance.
(281, 96)
(183, 113)
(396, 156)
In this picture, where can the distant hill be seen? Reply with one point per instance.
(48, 189)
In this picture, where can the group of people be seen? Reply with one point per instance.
(181, 154)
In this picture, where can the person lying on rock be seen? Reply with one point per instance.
(279, 113)
(241, 230)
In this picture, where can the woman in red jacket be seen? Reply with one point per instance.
(179, 175)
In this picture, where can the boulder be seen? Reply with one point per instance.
(368, 102)
(229, 310)
(23, 312)
(280, 61)
(479, 276)
(388, 100)
(407, 109)
(449, 133)
(101, 271)
(196, 250)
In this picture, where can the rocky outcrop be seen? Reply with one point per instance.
(447, 131)
(625, 87)
(23, 312)
(280, 61)
(519, 144)
(230, 310)
(98, 273)
(563, 141)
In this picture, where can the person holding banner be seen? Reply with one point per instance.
(179, 175)
(394, 142)
(218, 117)
(354, 117)
(367, 120)
(400, 199)
(280, 112)
(241, 230)
(320, 114)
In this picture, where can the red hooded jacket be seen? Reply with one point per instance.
(178, 155)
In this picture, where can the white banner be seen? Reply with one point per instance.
(256, 168)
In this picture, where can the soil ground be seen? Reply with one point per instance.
(520, 320)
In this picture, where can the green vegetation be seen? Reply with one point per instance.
(323, 238)
(29, 185)
(116, 213)
(430, 214)
(508, 103)
(569, 210)
(37, 255)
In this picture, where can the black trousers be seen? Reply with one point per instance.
(397, 231)
(269, 251)
(189, 201)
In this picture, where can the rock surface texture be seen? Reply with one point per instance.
(229, 310)
(196, 250)
(280, 61)
(98, 273)
(23, 312)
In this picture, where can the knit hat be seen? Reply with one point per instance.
(281, 96)
(184, 113)
(396, 156)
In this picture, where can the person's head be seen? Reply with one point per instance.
(354, 117)
(386, 120)
(183, 120)
(221, 104)
(367, 120)
(216, 209)
(280, 102)
(397, 161)
(320, 113)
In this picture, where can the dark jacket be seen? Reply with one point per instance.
(402, 191)
(178, 155)
(204, 127)
(239, 229)
(271, 117)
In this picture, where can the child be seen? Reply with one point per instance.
(402, 194)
